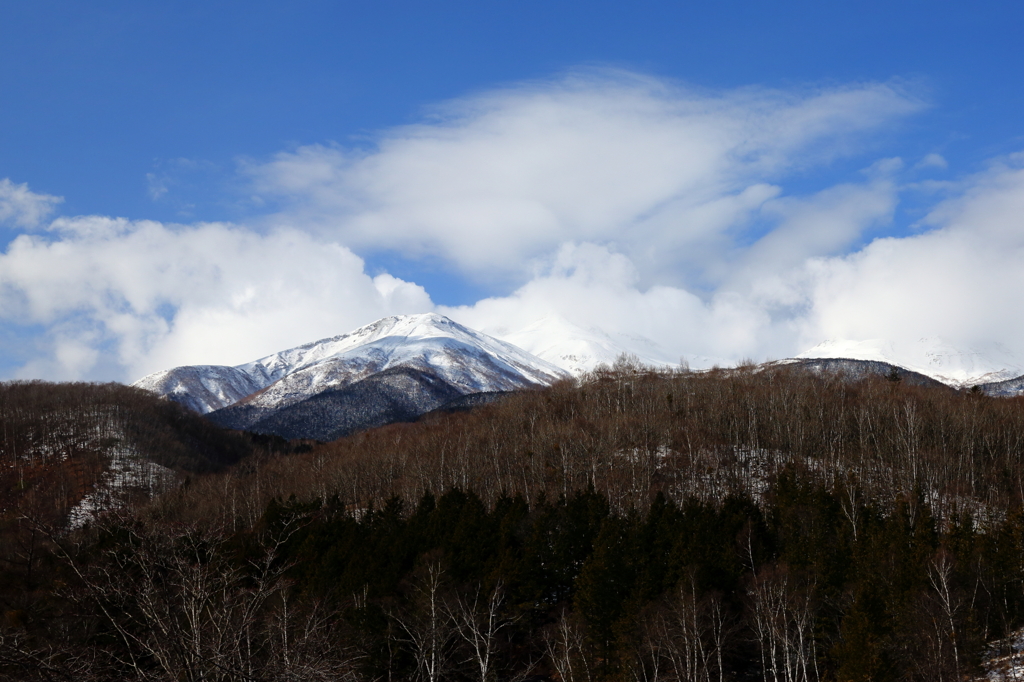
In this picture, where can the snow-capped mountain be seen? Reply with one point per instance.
(930, 356)
(400, 367)
(467, 360)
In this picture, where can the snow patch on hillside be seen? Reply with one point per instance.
(128, 475)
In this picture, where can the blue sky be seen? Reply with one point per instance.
(97, 96)
(186, 114)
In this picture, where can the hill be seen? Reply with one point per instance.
(67, 450)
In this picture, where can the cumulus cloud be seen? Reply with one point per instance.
(21, 207)
(658, 214)
(961, 279)
(153, 296)
(958, 280)
(593, 288)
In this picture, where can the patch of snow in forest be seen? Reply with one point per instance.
(637, 455)
(1004, 659)
(714, 474)
(709, 475)
(127, 474)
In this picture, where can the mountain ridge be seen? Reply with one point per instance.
(397, 394)
(436, 359)
(318, 378)
(931, 356)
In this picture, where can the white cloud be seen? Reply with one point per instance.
(611, 200)
(592, 287)
(21, 207)
(667, 174)
(827, 223)
(153, 296)
(933, 160)
(962, 280)
(156, 185)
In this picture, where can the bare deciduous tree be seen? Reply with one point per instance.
(428, 627)
(565, 644)
(478, 622)
(783, 619)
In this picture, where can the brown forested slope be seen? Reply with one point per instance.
(634, 433)
(58, 440)
(760, 523)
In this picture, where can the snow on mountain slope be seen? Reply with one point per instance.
(468, 360)
(1004, 389)
(579, 350)
(930, 356)
(202, 388)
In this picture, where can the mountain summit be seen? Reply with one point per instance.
(424, 360)
(931, 356)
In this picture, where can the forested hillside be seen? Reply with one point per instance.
(61, 442)
(753, 524)
(632, 433)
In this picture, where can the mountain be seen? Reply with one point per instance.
(390, 370)
(578, 350)
(1004, 389)
(401, 367)
(860, 369)
(930, 356)
(398, 394)
(201, 388)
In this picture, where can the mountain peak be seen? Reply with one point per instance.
(430, 343)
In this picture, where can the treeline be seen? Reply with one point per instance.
(631, 434)
(454, 590)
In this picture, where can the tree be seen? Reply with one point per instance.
(783, 609)
(427, 627)
(478, 623)
(565, 644)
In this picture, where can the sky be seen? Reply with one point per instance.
(210, 182)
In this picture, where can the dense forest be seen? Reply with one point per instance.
(763, 523)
